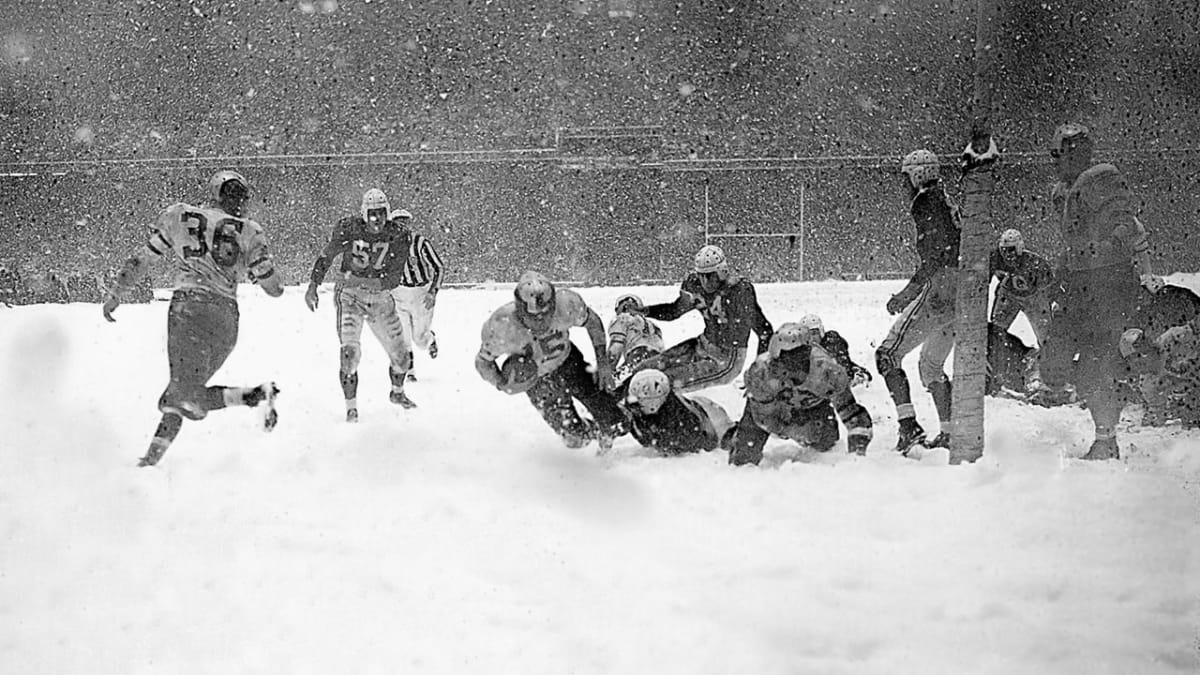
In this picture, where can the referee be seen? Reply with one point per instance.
(416, 296)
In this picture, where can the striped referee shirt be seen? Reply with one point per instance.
(423, 266)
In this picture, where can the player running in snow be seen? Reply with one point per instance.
(798, 391)
(215, 246)
(730, 309)
(373, 249)
(925, 305)
(535, 326)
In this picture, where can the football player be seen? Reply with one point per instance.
(1102, 238)
(729, 306)
(536, 324)
(416, 296)
(214, 246)
(632, 338)
(669, 422)
(373, 249)
(926, 303)
(798, 391)
(837, 347)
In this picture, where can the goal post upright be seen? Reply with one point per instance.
(970, 325)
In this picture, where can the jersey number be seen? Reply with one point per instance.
(362, 252)
(195, 229)
(552, 344)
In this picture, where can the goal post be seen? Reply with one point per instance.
(970, 325)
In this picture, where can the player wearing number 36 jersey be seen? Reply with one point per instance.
(535, 325)
(215, 246)
(373, 249)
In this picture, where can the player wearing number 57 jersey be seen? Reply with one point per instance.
(535, 325)
(215, 246)
(373, 249)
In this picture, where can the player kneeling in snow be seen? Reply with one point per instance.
(1169, 369)
(797, 390)
(670, 422)
(535, 326)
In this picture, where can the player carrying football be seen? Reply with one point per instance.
(374, 249)
(534, 327)
(214, 246)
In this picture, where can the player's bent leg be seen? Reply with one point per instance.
(709, 371)
(164, 435)
(551, 399)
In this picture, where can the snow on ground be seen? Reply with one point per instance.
(462, 537)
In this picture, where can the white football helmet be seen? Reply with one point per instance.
(789, 336)
(1011, 238)
(709, 259)
(649, 388)
(374, 200)
(534, 294)
(628, 302)
(812, 324)
(922, 167)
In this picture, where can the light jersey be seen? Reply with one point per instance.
(628, 331)
(772, 392)
(188, 231)
(503, 334)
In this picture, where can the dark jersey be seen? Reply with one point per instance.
(677, 427)
(730, 312)
(366, 255)
(839, 349)
(936, 220)
(1023, 277)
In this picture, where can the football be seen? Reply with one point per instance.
(520, 372)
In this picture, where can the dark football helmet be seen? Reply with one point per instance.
(230, 191)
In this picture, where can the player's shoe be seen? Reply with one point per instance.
(352, 415)
(153, 454)
(264, 394)
(401, 399)
(911, 434)
(1103, 448)
(433, 348)
(942, 440)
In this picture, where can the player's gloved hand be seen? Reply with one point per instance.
(430, 299)
(972, 159)
(689, 298)
(1152, 282)
(111, 302)
(897, 303)
(859, 376)
(311, 299)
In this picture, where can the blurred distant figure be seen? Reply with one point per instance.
(533, 330)
(796, 390)
(632, 338)
(669, 422)
(926, 304)
(416, 296)
(374, 248)
(729, 306)
(1026, 284)
(10, 285)
(1106, 260)
(215, 246)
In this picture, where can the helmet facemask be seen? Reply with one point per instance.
(535, 301)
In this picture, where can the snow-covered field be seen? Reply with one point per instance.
(462, 537)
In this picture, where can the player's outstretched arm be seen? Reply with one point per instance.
(135, 267)
(595, 329)
(489, 371)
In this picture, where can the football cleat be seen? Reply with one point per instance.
(401, 399)
(942, 440)
(352, 415)
(911, 434)
(433, 348)
(152, 455)
(265, 394)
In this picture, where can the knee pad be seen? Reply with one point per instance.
(349, 358)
